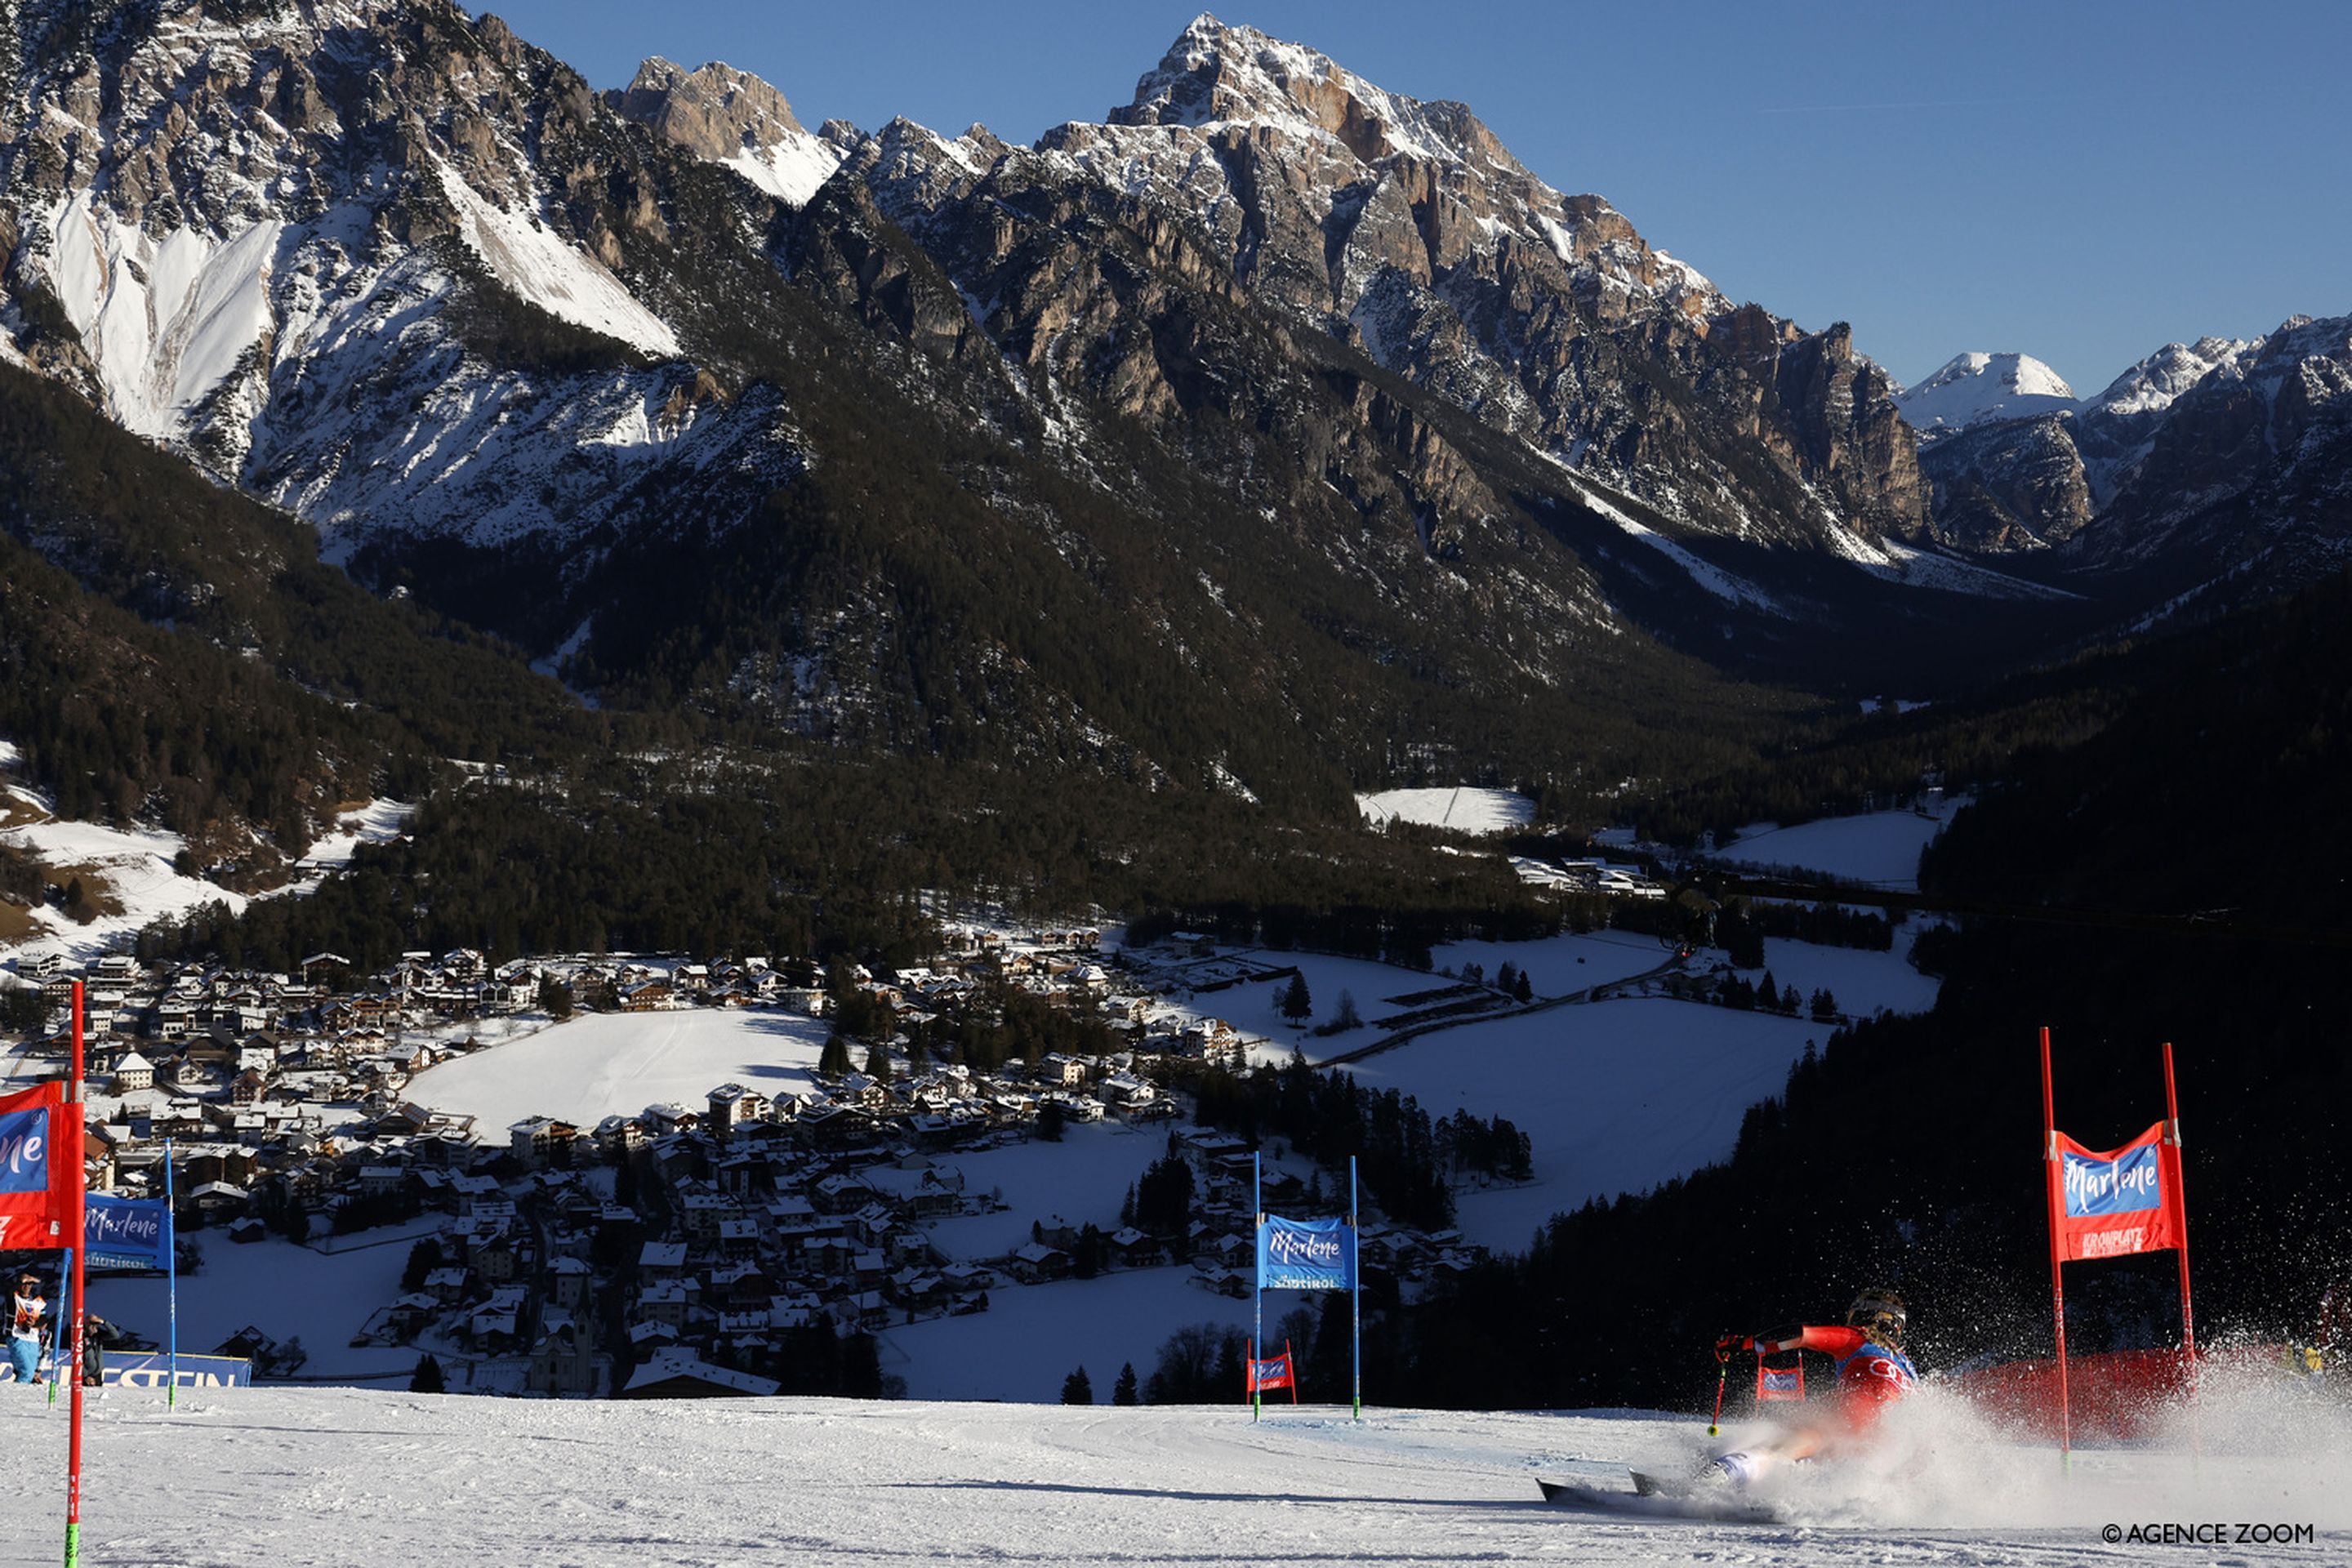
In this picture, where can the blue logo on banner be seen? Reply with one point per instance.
(125, 1232)
(2131, 1181)
(195, 1372)
(1305, 1254)
(25, 1151)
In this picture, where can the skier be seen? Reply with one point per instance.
(1872, 1373)
(25, 1311)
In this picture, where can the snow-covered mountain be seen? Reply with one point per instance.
(1972, 388)
(2221, 470)
(553, 359)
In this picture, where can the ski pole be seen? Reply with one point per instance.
(1722, 1376)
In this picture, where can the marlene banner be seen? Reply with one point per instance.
(36, 1183)
(1306, 1254)
(2120, 1201)
(126, 1233)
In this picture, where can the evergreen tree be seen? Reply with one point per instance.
(1051, 1120)
(878, 1062)
(1123, 1391)
(423, 1258)
(554, 997)
(1078, 1389)
(833, 1060)
(427, 1378)
(1506, 979)
(1524, 989)
(1297, 1005)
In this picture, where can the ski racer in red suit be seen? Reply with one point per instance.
(1872, 1373)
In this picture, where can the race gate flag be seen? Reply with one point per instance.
(2124, 1201)
(1778, 1381)
(1276, 1374)
(126, 1233)
(1306, 1254)
(37, 1185)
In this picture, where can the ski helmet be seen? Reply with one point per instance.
(1879, 1312)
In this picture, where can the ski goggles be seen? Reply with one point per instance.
(1872, 1312)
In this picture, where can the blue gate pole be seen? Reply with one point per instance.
(60, 1326)
(1258, 1285)
(171, 1275)
(1356, 1284)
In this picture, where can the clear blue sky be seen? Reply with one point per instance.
(2080, 180)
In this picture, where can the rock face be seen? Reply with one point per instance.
(1406, 230)
(733, 118)
(380, 264)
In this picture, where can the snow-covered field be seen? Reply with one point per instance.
(1033, 1336)
(375, 822)
(285, 1291)
(1081, 1179)
(616, 1064)
(1617, 1096)
(349, 1478)
(1468, 809)
(134, 868)
(1878, 848)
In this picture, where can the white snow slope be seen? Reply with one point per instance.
(293, 1477)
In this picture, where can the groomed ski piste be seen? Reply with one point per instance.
(285, 1478)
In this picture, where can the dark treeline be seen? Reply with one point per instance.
(1328, 1116)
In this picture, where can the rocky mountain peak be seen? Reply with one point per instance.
(1220, 75)
(2155, 382)
(731, 116)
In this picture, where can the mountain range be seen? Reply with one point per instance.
(1274, 432)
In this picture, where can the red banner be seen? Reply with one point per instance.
(2119, 1201)
(1274, 1374)
(38, 1190)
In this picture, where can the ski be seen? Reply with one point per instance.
(1728, 1508)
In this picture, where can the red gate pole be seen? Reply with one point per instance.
(2180, 1218)
(77, 1140)
(2055, 1177)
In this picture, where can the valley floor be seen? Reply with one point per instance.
(287, 1477)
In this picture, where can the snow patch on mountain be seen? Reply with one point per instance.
(528, 257)
(1971, 388)
(165, 318)
(792, 169)
(1728, 586)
